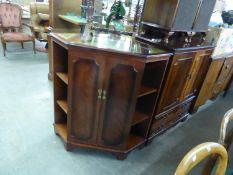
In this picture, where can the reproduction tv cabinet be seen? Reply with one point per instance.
(184, 77)
(105, 91)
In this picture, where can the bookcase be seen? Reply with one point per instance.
(104, 98)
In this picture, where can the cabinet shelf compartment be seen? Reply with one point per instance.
(63, 104)
(63, 76)
(152, 78)
(146, 90)
(146, 104)
(61, 130)
(134, 141)
(138, 118)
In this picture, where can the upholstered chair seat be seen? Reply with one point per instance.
(16, 36)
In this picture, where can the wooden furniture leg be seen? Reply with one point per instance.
(50, 54)
(34, 46)
(4, 48)
(121, 156)
(22, 45)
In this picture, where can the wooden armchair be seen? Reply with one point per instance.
(225, 139)
(11, 27)
(199, 153)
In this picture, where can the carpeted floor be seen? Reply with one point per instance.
(28, 145)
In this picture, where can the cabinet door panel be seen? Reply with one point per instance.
(176, 80)
(223, 77)
(84, 82)
(198, 72)
(121, 88)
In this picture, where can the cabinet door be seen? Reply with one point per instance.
(85, 80)
(176, 80)
(198, 71)
(121, 89)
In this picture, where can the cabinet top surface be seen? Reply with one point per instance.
(109, 42)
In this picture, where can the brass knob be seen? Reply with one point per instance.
(100, 93)
(104, 97)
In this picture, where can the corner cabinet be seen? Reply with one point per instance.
(104, 99)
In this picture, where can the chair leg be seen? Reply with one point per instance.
(34, 46)
(4, 48)
(22, 45)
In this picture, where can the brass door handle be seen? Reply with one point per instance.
(104, 96)
(100, 93)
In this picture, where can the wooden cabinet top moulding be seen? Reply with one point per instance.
(112, 43)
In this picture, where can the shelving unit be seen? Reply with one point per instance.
(147, 99)
(60, 91)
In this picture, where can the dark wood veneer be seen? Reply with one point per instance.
(105, 100)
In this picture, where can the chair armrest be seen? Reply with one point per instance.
(30, 27)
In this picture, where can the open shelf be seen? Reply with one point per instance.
(134, 141)
(139, 117)
(61, 130)
(63, 104)
(146, 90)
(63, 76)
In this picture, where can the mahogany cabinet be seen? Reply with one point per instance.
(184, 78)
(105, 91)
(216, 81)
(178, 15)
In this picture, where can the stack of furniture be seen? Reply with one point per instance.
(178, 27)
(116, 93)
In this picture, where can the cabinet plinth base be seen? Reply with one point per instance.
(119, 154)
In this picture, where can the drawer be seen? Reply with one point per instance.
(160, 121)
(165, 120)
